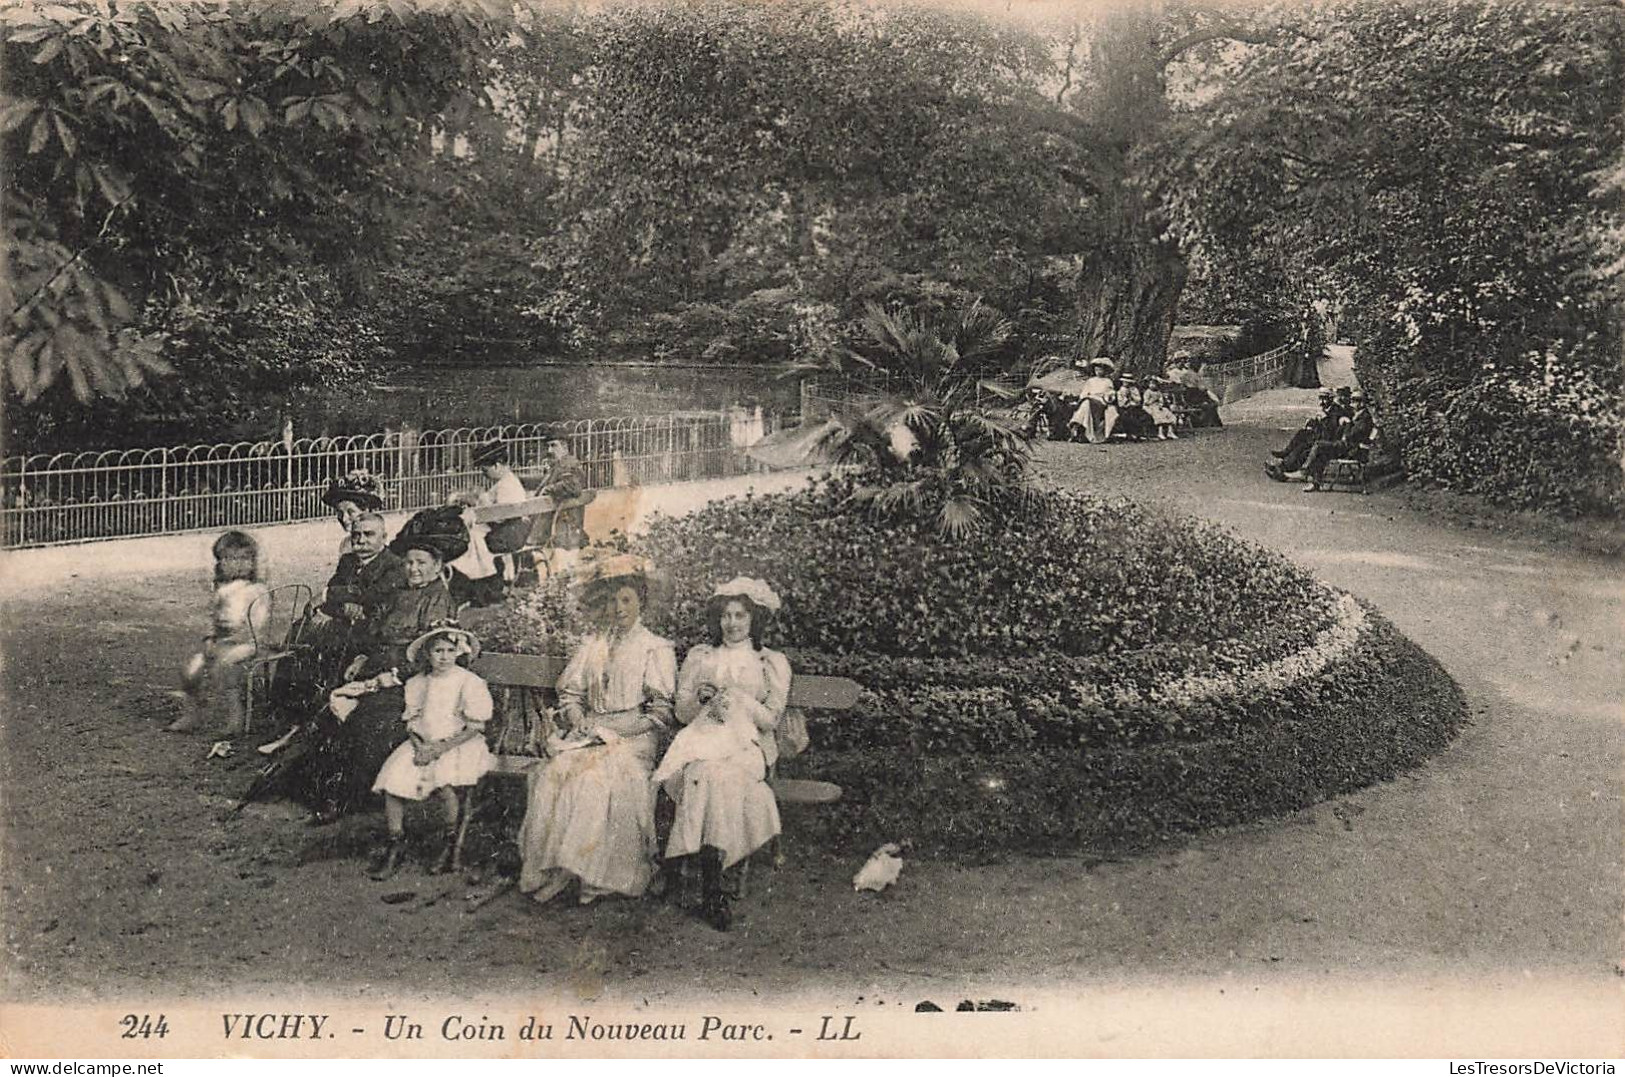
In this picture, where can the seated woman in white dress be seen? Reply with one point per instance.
(1097, 414)
(591, 813)
(731, 695)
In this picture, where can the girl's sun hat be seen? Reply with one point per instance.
(467, 642)
(757, 591)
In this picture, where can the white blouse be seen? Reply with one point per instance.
(438, 707)
(635, 672)
(761, 676)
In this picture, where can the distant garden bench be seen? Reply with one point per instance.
(547, 516)
(523, 688)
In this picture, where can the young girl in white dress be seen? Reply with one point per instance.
(731, 698)
(445, 754)
(1159, 405)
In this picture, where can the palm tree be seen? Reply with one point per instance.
(927, 439)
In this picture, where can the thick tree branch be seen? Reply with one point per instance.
(1223, 31)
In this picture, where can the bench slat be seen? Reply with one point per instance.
(542, 671)
(519, 670)
(536, 506)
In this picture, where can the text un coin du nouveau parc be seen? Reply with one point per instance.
(580, 1028)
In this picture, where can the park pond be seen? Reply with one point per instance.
(495, 394)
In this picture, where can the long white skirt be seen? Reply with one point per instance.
(1097, 419)
(464, 765)
(591, 817)
(723, 802)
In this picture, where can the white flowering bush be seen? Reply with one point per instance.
(1543, 431)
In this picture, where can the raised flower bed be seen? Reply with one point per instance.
(1088, 675)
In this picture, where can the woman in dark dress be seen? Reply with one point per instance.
(333, 774)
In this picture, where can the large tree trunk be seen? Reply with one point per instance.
(1126, 305)
(1132, 282)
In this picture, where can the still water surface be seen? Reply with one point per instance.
(439, 397)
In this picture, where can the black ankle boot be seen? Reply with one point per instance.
(668, 884)
(387, 860)
(715, 907)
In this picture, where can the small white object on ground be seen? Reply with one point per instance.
(880, 870)
(220, 749)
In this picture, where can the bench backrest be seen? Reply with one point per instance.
(542, 672)
(535, 506)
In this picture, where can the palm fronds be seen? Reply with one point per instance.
(929, 445)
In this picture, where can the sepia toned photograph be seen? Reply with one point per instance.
(812, 528)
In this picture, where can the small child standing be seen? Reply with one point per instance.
(1160, 407)
(221, 668)
(447, 708)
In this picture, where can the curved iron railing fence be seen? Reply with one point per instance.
(1238, 378)
(49, 500)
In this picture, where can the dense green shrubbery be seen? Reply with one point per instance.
(1066, 574)
(1496, 439)
(1384, 707)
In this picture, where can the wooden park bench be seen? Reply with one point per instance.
(523, 688)
(1357, 471)
(545, 514)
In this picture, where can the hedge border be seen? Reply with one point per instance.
(1381, 709)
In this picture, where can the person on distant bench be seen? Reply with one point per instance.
(1323, 427)
(1354, 439)
(1097, 414)
(506, 536)
(565, 482)
(1198, 400)
(1133, 420)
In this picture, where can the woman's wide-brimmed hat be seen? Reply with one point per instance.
(608, 570)
(358, 487)
(467, 642)
(759, 593)
(494, 451)
(1101, 360)
(439, 530)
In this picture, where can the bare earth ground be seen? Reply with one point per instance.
(1498, 864)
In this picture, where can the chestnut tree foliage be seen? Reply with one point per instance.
(205, 169)
(1449, 175)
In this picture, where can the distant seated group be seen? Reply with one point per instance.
(1118, 406)
(1344, 429)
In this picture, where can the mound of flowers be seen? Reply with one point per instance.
(1089, 675)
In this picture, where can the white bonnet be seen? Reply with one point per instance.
(745, 587)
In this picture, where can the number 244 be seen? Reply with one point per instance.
(143, 1027)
